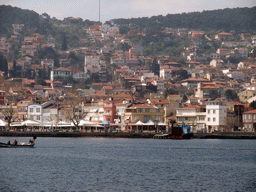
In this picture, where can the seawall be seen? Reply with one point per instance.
(219, 135)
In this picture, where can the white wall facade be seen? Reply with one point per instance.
(216, 115)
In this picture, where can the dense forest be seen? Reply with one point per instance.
(238, 19)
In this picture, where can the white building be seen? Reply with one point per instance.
(80, 76)
(165, 73)
(92, 64)
(60, 72)
(17, 28)
(216, 115)
(36, 111)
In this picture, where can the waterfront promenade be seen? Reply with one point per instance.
(217, 135)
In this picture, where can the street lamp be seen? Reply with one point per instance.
(156, 125)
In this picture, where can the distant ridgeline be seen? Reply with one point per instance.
(12, 15)
(237, 19)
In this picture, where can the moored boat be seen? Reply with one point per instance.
(179, 132)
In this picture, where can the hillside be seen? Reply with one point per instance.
(227, 19)
(13, 15)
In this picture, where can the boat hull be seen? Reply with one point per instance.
(16, 146)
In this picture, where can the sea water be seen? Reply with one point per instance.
(113, 164)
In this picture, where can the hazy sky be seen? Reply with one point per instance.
(112, 9)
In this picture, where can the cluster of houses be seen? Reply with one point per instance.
(128, 94)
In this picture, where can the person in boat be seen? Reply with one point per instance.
(15, 142)
(31, 141)
(9, 142)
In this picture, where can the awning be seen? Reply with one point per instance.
(31, 123)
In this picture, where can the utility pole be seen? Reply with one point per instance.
(99, 10)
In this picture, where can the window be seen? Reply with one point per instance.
(181, 119)
(158, 110)
(214, 111)
(31, 110)
(254, 116)
(108, 103)
(38, 117)
(201, 118)
(191, 119)
(147, 110)
(158, 118)
(249, 116)
(38, 110)
(147, 118)
(137, 118)
(213, 119)
(140, 110)
(108, 111)
(209, 119)
(108, 119)
(208, 111)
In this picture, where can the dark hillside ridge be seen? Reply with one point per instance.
(237, 19)
(13, 15)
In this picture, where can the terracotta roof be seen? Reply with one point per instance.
(253, 111)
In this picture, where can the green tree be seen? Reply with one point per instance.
(253, 104)
(3, 64)
(184, 98)
(155, 67)
(168, 91)
(231, 95)
(63, 41)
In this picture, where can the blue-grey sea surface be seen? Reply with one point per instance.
(113, 164)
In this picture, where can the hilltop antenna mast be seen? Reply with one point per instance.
(99, 10)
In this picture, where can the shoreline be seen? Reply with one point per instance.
(137, 135)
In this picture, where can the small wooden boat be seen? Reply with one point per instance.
(21, 145)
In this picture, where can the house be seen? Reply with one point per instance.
(165, 73)
(217, 63)
(169, 106)
(224, 36)
(241, 65)
(60, 72)
(144, 113)
(196, 35)
(22, 109)
(17, 28)
(222, 52)
(249, 121)
(2, 97)
(253, 78)
(92, 64)
(245, 95)
(109, 107)
(80, 76)
(47, 62)
(236, 75)
(192, 82)
(192, 115)
(216, 116)
(230, 44)
(159, 83)
(208, 90)
(94, 110)
(53, 93)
